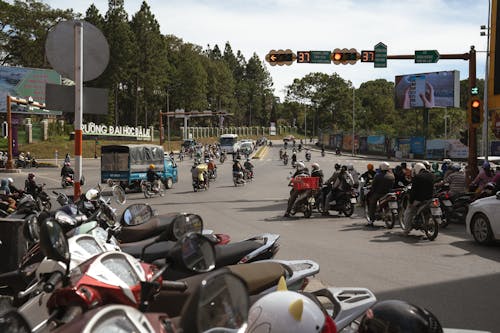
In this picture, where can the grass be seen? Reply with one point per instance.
(61, 144)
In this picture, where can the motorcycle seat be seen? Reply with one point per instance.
(151, 228)
(152, 253)
(230, 254)
(259, 276)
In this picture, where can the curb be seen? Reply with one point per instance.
(10, 170)
(262, 151)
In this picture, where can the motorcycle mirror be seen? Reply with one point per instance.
(220, 301)
(193, 252)
(180, 226)
(53, 241)
(31, 230)
(136, 214)
(13, 321)
(119, 195)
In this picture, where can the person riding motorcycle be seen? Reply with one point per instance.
(66, 170)
(301, 171)
(237, 169)
(354, 174)
(446, 167)
(455, 180)
(281, 153)
(317, 172)
(369, 174)
(6, 195)
(212, 167)
(422, 189)
(484, 177)
(381, 185)
(398, 316)
(308, 155)
(152, 177)
(249, 167)
(294, 158)
(340, 181)
(14, 191)
(438, 175)
(31, 187)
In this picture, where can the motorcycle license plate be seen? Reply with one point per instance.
(353, 200)
(393, 205)
(436, 211)
(447, 203)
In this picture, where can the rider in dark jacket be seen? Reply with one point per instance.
(381, 185)
(422, 189)
(67, 170)
(151, 175)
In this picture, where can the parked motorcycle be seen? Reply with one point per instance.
(149, 189)
(426, 219)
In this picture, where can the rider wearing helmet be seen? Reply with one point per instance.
(382, 183)
(438, 175)
(455, 180)
(398, 316)
(446, 167)
(422, 189)
(484, 177)
(301, 171)
(317, 172)
(66, 170)
(151, 175)
(14, 191)
(354, 174)
(369, 174)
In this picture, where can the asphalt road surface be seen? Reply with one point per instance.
(456, 279)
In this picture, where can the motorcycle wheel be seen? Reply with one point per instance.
(348, 209)
(445, 220)
(307, 210)
(195, 188)
(389, 223)
(431, 227)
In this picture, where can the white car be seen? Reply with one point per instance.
(483, 219)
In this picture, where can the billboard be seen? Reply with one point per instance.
(25, 82)
(428, 90)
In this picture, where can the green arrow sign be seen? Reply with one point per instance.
(320, 57)
(380, 55)
(426, 56)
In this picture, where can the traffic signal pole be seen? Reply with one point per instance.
(472, 170)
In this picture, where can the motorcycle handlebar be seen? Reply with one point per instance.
(174, 285)
(53, 280)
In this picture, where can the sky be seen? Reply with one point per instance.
(258, 26)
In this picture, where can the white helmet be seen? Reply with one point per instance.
(11, 181)
(315, 166)
(384, 166)
(426, 164)
(285, 311)
(300, 166)
(350, 167)
(418, 167)
(92, 194)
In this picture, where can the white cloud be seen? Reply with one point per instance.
(449, 26)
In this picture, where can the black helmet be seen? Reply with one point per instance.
(398, 316)
(337, 166)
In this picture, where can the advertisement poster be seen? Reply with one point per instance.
(427, 90)
(417, 144)
(376, 143)
(435, 149)
(25, 82)
(347, 142)
(457, 149)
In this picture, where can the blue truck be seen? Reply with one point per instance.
(128, 165)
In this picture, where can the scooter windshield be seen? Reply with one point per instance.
(120, 266)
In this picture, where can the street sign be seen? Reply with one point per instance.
(380, 55)
(426, 56)
(320, 57)
(280, 57)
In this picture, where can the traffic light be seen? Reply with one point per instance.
(345, 56)
(476, 112)
(280, 57)
(464, 137)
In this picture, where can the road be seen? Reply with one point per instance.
(456, 279)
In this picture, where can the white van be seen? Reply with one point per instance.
(229, 143)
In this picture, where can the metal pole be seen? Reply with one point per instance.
(168, 120)
(78, 106)
(10, 163)
(305, 122)
(185, 127)
(445, 129)
(353, 123)
(485, 99)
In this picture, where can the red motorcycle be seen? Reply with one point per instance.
(113, 277)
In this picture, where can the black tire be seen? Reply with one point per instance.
(431, 227)
(348, 209)
(169, 183)
(389, 223)
(481, 229)
(307, 210)
(47, 206)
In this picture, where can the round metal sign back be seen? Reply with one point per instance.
(60, 50)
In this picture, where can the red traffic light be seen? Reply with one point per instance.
(476, 104)
(337, 56)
